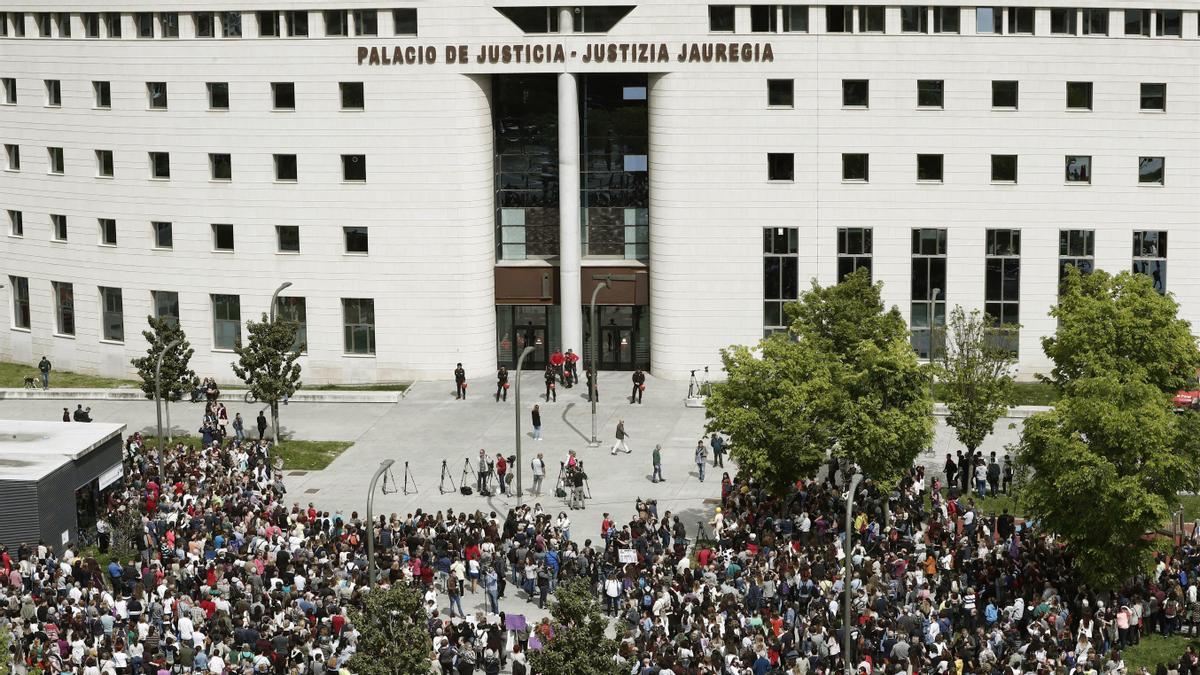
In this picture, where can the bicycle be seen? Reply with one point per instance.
(250, 397)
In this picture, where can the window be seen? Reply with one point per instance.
(405, 21)
(356, 239)
(164, 235)
(231, 24)
(222, 237)
(108, 231)
(91, 24)
(1154, 96)
(946, 19)
(1002, 287)
(1151, 170)
(103, 94)
(1169, 23)
(720, 18)
(366, 22)
(870, 19)
(1020, 20)
(160, 165)
(42, 21)
(268, 23)
(855, 167)
(295, 22)
(104, 163)
(931, 93)
(220, 166)
(285, 168)
(205, 24)
(112, 24)
(781, 275)
(763, 19)
(112, 314)
(1004, 94)
(1079, 96)
(56, 161)
(283, 95)
(53, 93)
(1004, 168)
(854, 248)
(336, 23)
(294, 311)
(1137, 22)
(1150, 257)
(1076, 248)
(218, 95)
(781, 166)
(10, 90)
(795, 18)
(838, 19)
(227, 321)
(781, 93)
(143, 24)
(929, 168)
(1079, 168)
(157, 92)
(18, 24)
(358, 319)
(3, 24)
(168, 24)
(16, 223)
(856, 93)
(914, 19)
(1063, 21)
(1095, 22)
(352, 95)
(354, 168)
(20, 296)
(12, 154)
(928, 309)
(64, 308)
(166, 305)
(287, 238)
(987, 20)
(58, 226)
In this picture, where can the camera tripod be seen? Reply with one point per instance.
(558, 484)
(409, 478)
(389, 477)
(468, 472)
(446, 476)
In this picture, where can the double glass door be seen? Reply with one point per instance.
(623, 340)
(520, 326)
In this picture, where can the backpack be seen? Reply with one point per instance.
(447, 656)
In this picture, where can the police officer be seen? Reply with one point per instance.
(591, 384)
(502, 383)
(551, 394)
(460, 382)
(639, 383)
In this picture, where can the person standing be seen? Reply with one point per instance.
(482, 470)
(621, 436)
(980, 476)
(104, 532)
(1008, 475)
(701, 458)
(501, 469)
(536, 416)
(639, 385)
(44, 368)
(951, 470)
(549, 377)
(592, 384)
(993, 475)
(66, 415)
(718, 449)
(460, 382)
(656, 459)
(262, 425)
(556, 362)
(502, 383)
(239, 428)
(572, 364)
(539, 473)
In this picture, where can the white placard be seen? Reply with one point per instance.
(66, 536)
(111, 475)
(626, 555)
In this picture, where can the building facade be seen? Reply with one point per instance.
(450, 182)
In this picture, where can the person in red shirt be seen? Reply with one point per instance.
(572, 364)
(556, 362)
(501, 470)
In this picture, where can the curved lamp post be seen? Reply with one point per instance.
(854, 481)
(605, 282)
(275, 404)
(383, 466)
(158, 395)
(520, 360)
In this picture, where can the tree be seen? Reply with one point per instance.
(267, 364)
(176, 376)
(579, 645)
(1119, 324)
(393, 637)
(974, 371)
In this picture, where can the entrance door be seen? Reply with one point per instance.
(616, 348)
(520, 326)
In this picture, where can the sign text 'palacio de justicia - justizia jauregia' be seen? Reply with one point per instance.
(551, 53)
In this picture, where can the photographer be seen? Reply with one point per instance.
(575, 480)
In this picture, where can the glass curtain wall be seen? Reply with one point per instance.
(525, 127)
(615, 180)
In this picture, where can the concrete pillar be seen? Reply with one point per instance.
(568, 203)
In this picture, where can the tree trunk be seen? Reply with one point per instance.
(275, 422)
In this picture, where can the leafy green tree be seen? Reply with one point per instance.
(580, 645)
(393, 635)
(1120, 324)
(176, 377)
(974, 371)
(267, 364)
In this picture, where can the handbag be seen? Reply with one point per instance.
(560, 493)
(466, 490)
(641, 387)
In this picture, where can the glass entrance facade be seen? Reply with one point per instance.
(624, 338)
(520, 325)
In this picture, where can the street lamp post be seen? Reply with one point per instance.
(275, 404)
(932, 309)
(383, 466)
(854, 481)
(605, 282)
(275, 296)
(158, 395)
(520, 361)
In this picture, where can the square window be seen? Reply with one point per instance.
(795, 18)
(356, 239)
(160, 165)
(103, 94)
(1004, 168)
(1154, 96)
(1004, 94)
(42, 21)
(285, 168)
(56, 161)
(336, 23)
(268, 23)
(104, 163)
(205, 23)
(914, 19)
(763, 19)
(164, 235)
(218, 95)
(168, 24)
(296, 22)
(855, 167)
(10, 90)
(288, 238)
(16, 223)
(91, 24)
(354, 168)
(720, 18)
(1020, 20)
(781, 166)
(1169, 23)
(53, 93)
(405, 21)
(352, 95)
(1079, 95)
(12, 153)
(870, 19)
(220, 166)
(58, 226)
(929, 168)
(856, 93)
(1151, 170)
(366, 22)
(838, 19)
(222, 237)
(157, 92)
(987, 20)
(931, 93)
(1137, 22)
(112, 24)
(231, 24)
(1079, 168)
(781, 93)
(283, 95)
(1095, 22)
(143, 23)
(108, 231)
(1063, 20)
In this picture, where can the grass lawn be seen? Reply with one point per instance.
(382, 386)
(987, 506)
(1156, 649)
(1024, 393)
(297, 455)
(12, 375)
(1191, 507)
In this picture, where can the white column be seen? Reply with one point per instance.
(568, 204)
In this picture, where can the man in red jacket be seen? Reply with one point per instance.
(556, 361)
